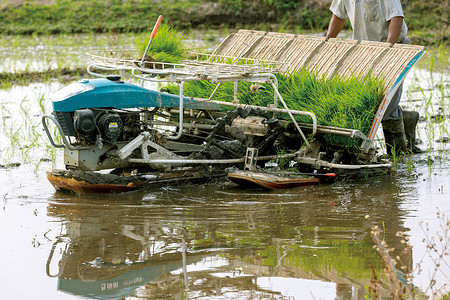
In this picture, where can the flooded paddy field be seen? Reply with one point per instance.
(213, 240)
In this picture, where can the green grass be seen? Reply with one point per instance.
(426, 20)
(346, 103)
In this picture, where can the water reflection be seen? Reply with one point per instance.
(215, 239)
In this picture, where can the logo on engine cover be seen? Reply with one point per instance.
(113, 126)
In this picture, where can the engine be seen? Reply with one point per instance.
(107, 124)
(109, 110)
(110, 126)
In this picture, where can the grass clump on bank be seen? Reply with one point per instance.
(338, 102)
(166, 46)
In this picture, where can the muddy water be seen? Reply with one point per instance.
(214, 239)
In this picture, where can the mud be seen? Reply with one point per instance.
(147, 178)
(95, 178)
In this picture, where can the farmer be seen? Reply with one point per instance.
(381, 21)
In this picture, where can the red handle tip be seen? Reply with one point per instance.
(156, 27)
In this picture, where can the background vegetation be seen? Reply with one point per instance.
(428, 20)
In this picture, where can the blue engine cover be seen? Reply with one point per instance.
(106, 93)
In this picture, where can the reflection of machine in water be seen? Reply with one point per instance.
(102, 254)
(116, 248)
(109, 262)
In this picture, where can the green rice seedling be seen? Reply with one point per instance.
(23, 107)
(14, 136)
(396, 160)
(41, 100)
(166, 46)
(409, 164)
(345, 103)
(429, 161)
(6, 113)
(51, 152)
(283, 163)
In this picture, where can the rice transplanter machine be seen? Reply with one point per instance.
(147, 136)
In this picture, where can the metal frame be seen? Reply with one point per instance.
(385, 103)
(213, 69)
(66, 142)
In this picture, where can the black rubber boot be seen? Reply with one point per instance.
(394, 136)
(410, 119)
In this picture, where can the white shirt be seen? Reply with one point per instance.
(370, 18)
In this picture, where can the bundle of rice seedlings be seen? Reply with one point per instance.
(338, 102)
(166, 46)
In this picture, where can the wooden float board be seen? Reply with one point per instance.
(88, 182)
(270, 181)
